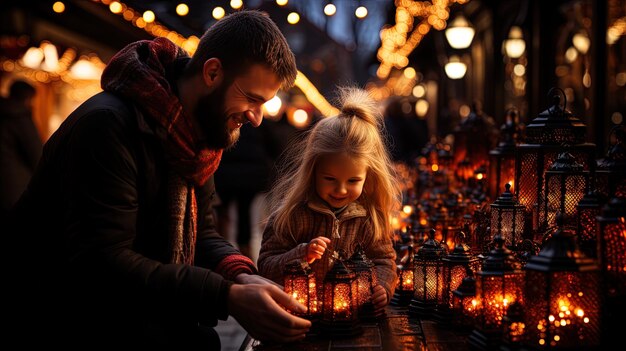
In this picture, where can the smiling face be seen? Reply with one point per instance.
(339, 179)
(235, 102)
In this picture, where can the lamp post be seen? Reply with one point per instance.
(299, 283)
(499, 283)
(553, 132)
(428, 278)
(340, 303)
(562, 296)
(363, 267)
(459, 33)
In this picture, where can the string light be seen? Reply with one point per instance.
(182, 9)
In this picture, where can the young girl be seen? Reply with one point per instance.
(336, 192)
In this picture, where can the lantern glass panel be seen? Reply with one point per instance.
(428, 281)
(406, 279)
(564, 191)
(563, 309)
(364, 286)
(511, 224)
(341, 300)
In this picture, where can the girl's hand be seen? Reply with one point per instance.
(315, 248)
(379, 297)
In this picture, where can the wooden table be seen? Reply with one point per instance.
(396, 331)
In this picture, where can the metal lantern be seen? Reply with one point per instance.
(499, 283)
(612, 261)
(562, 296)
(611, 173)
(456, 266)
(566, 184)
(363, 267)
(404, 290)
(340, 303)
(428, 278)
(299, 283)
(588, 209)
(554, 131)
(464, 303)
(474, 136)
(507, 218)
(502, 157)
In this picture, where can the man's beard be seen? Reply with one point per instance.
(211, 115)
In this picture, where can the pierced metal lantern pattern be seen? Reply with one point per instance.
(363, 267)
(499, 283)
(611, 172)
(566, 184)
(428, 277)
(562, 296)
(340, 302)
(464, 303)
(554, 131)
(588, 209)
(299, 283)
(502, 157)
(507, 218)
(612, 246)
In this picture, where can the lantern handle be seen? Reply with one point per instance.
(556, 98)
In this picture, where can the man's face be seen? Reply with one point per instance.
(234, 102)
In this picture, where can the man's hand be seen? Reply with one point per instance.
(257, 307)
(245, 278)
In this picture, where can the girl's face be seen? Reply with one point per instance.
(339, 179)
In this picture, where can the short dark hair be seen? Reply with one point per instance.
(243, 38)
(21, 90)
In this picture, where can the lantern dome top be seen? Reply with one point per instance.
(339, 272)
(358, 260)
(556, 125)
(298, 267)
(500, 260)
(431, 249)
(561, 253)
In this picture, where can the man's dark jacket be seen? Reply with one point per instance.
(91, 236)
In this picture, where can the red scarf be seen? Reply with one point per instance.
(138, 73)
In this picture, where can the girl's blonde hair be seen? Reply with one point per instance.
(358, 130)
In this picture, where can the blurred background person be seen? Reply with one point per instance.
(20, 144)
